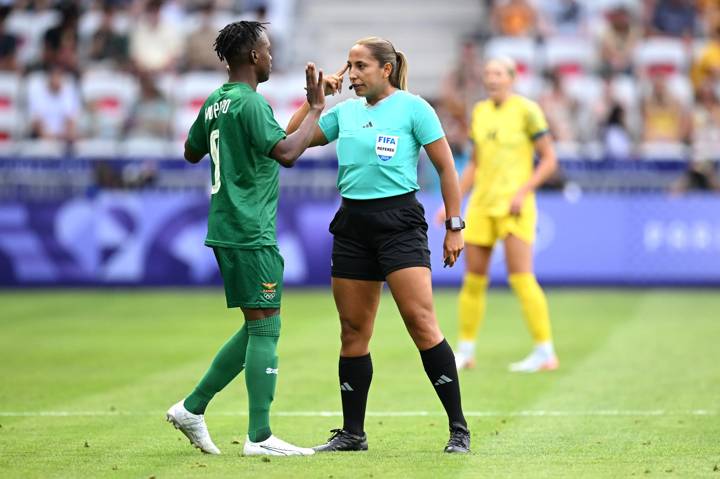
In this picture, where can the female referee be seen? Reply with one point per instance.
(506, 129)
(380, 233)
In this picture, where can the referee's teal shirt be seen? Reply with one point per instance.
(378, 145)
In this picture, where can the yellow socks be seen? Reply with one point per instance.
(472, 305)
(534, 305)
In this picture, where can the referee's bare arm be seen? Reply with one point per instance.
(442, 159)
(467, 180)
(288, 150)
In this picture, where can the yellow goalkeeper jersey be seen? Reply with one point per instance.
(504, 137)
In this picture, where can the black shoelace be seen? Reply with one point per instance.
(341, 437)
(459, 438)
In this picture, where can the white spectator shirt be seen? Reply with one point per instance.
(155, 48)
(53, 109)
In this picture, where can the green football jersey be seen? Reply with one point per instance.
(237, 127)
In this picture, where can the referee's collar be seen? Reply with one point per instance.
(368, 105)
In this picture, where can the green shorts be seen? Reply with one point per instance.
(253, 278)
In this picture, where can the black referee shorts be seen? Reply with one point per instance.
(373, 238)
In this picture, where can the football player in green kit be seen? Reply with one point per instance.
(246, 145)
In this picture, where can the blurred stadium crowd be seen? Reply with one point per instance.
(619, 80)
(108, 70)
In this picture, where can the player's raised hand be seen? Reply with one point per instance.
(333, 83)
(314, 87)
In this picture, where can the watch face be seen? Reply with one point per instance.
(454, 223)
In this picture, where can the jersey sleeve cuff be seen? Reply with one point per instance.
(194, 147)
(433, 139)
(539, 134)
(274, 143)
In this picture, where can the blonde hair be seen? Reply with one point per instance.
(384, 52)
(507, 63)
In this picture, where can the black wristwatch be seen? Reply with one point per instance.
(454, 223)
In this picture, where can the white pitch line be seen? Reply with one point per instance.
(526, 413)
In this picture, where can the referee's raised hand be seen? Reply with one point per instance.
(333, 83)
(314, 88)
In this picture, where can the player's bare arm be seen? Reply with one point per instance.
(287, 151)
(547, 165)
(332, 85)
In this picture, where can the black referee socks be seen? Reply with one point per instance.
(439, 364)
(355, 377)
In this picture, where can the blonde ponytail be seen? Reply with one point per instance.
(399, 75)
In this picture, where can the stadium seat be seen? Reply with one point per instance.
(182, 121)
(8, 133)
(568, 150)
(661, 55)
(30, 26)
(167, 83)
(659, 151)
(34, 81)
(678, 85)
(112, 95)
(286, 94)
(586, 89)
(145, 148)
(522, 50)
(681, 88)
(570, 56)
(706, 150)
(41, 149)
(9, 92)
(11, 119)
(625, 90)
(529, 86)
(193, 88)
(96, 148)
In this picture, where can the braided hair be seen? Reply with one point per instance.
(236, 40)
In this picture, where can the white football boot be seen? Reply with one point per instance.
(542, 358)
(273, 446)
(193, 426)
(465, 355)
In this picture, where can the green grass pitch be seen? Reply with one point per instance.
(86, 377)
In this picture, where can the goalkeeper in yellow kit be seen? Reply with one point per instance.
(507, 130)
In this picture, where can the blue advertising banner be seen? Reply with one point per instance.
(151, 238)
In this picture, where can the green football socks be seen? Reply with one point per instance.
(261, 374)
(228, 363)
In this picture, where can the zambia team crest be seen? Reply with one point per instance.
(386, 146)
(268, 291)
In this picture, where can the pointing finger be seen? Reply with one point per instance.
(342, 71)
